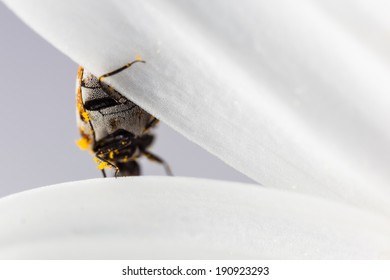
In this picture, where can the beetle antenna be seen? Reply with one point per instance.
(155, 158)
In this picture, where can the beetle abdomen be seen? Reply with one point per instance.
(111, 126)
(102, 115)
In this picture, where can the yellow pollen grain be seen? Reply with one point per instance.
(111, 155)
(126, 159)
(96, 159)
(138, 57)
(102, 165)
(86, 116)
(83, 143)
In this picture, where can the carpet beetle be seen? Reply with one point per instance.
(113, 128)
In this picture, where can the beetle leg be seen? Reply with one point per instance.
(155, 158)
(110, 90)
(152, 123)
(106, 161)
(116, 173)
(119, 69)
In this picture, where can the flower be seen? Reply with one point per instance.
(292, 94)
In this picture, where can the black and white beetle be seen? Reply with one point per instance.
(112, 127)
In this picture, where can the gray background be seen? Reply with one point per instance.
(38, 120)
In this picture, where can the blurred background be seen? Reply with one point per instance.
(38, 120)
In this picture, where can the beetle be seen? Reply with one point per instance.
(113, 128)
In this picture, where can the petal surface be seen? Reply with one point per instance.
(184, 218)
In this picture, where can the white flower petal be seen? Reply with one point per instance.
(165, 217)
(291, 93)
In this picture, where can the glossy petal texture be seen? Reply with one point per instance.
(295, 94)
(183, 218)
